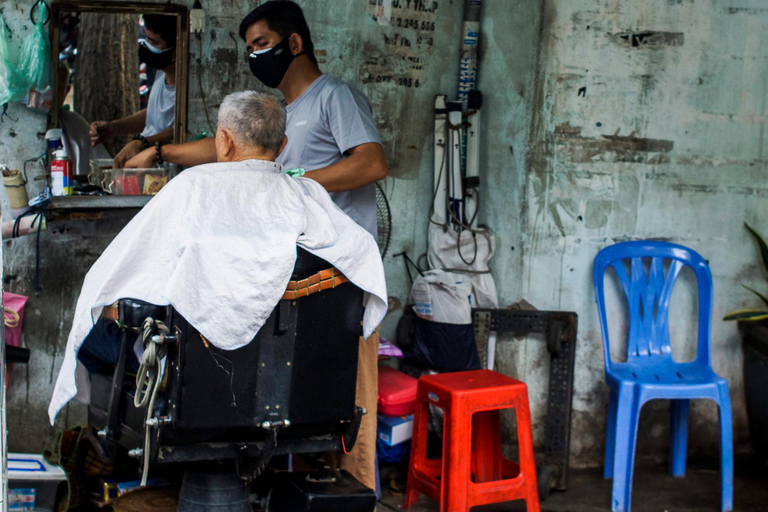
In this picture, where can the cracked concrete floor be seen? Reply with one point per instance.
(653, 491)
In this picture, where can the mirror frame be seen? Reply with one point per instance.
(182, 47)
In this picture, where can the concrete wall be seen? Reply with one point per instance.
(605, 121)
(649, 124)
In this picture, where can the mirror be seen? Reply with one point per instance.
(121, 80)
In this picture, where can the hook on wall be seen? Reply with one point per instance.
(47, 11)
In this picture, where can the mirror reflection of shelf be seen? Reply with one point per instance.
(98, 202)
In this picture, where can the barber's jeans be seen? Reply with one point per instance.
(101, 349)
(360, 462)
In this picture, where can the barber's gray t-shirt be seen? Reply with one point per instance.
(328, 119)
(161, 107)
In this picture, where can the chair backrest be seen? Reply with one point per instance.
(648, 293)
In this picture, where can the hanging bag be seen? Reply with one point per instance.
(444, 337)
(11, 84)
(35, 64)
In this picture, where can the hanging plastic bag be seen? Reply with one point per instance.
(444, 337)
(13, 309)
(443, 297)
(11, 84)
(13, 306)
(35, 63)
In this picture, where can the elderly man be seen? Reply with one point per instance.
(219, 244)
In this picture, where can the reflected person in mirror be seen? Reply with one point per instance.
(153, 124)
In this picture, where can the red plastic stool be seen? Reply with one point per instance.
(472, 471)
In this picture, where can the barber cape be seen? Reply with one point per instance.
(218, 243)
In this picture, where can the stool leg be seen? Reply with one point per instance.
(418, 453)
(486, 446)
(457, 447)
(527, 459)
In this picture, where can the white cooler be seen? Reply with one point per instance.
(32, 482)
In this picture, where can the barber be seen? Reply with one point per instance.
(331, 134)
(153, 124)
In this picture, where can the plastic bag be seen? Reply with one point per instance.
(443, 347)
(13, 306)
(443, 297)
(476, 251)
(11, 84)
(35, 64)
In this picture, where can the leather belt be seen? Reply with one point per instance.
(323, 280)
(110, 312)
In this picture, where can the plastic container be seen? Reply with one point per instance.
(32, 482)
(397, 392)
(98, 167)
(15, 187)
(135, 182)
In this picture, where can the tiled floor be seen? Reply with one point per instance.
(654, 491)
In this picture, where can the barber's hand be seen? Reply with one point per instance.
(130, 150)
(143, 160)
(101, 132)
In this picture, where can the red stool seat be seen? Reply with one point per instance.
(472, 471)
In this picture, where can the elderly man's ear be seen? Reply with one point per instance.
(282, 145)
(225, 146)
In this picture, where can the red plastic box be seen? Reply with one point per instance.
(397, 392)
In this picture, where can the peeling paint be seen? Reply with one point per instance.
(612, 148)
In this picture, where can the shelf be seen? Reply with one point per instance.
(98, 202)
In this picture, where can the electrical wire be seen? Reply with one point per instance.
(39, 212)
(200, 81)
(484, 230)
(32, 160)
(148, 380)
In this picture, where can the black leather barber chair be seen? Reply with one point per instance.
(290, 391)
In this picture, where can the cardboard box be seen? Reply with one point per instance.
(393, 430)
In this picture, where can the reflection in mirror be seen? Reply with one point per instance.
(116, 84)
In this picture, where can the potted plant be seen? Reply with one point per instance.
(755, 337)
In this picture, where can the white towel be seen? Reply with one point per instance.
(218, 243)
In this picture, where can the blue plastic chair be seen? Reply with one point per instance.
(649, 371)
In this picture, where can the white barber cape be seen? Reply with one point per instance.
(218, 243)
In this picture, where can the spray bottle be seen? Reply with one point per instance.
(61, 166)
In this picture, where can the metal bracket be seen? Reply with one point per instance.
(560, 328)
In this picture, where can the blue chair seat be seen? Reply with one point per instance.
(647, 271)
(662, 378)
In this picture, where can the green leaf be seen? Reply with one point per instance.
(762, 244)
(747, 315)
(762, 297)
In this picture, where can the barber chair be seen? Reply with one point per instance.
(290, 391)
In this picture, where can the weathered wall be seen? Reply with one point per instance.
(631, 135)
(650, 120)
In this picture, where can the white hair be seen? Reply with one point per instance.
(254, 119)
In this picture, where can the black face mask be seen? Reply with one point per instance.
(270, 65)
(154, 57)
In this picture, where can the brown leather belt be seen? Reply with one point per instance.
(323, 280)
(110, 312)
